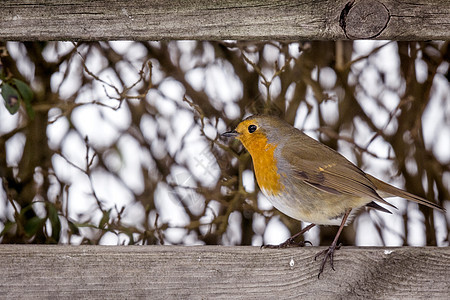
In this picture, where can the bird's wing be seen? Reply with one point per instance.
(327, 170)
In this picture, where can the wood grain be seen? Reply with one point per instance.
(217, 20)
(203, 272)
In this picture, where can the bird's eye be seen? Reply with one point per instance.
(252, 128)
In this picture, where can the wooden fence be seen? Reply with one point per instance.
(232, 19)
(205, 272)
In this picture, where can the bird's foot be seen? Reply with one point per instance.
(328, 254)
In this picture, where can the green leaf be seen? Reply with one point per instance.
(33, 225)
(11, 97)
(24, 90)
(27, 95)
(54, 220)
(74, 228)
(10, 227)
(105, 219)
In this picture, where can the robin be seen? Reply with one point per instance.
(309, 181)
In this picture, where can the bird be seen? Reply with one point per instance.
(309, 181)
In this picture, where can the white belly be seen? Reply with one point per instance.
(311, 211)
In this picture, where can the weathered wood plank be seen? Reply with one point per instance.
(217, 20)
(102, 272)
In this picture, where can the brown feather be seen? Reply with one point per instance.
(327, 170)
(393, 191)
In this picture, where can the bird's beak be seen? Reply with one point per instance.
(232, 133)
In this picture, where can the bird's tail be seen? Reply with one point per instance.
(392, 191)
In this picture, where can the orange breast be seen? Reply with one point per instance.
(265, 164)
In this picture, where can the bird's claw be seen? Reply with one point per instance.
(328, 253)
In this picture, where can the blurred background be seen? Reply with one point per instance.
(119, 142)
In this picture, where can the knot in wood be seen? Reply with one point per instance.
(364, 19)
